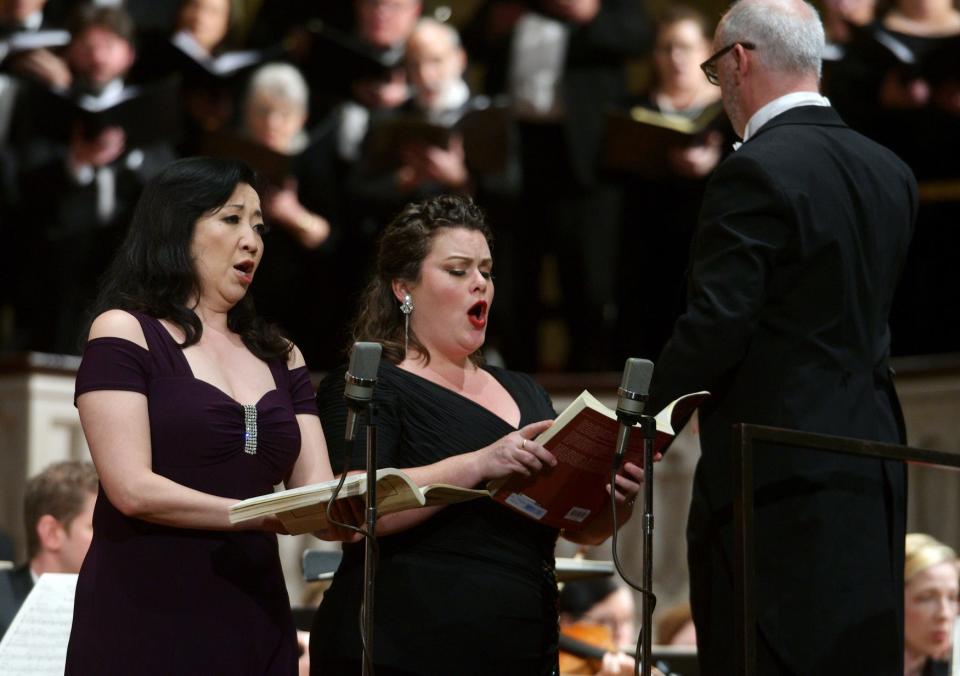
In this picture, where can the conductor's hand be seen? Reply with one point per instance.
(516, 453)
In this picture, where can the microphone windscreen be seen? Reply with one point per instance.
(364, 363)
(634, 386)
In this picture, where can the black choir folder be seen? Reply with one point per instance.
(147, 114)
(275, 167)
(20, 41)
(639, 140)
(567, 496)
(484, 130)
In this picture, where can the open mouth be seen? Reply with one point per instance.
(478, 314)
(245, 270)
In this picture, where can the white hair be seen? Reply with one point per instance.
(445, 28)
(788, 34)
(280, 80)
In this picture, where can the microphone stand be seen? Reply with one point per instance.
(370, 543)
(648, 426)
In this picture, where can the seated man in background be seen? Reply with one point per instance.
(58, 515)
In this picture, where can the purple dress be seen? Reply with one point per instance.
(155, 599)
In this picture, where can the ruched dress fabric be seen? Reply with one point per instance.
(155, 599)
(471, 590)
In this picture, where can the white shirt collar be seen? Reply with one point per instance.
(777, 107)
(453, 97)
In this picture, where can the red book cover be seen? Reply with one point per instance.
(582, 439)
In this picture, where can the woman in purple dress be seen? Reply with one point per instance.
(189, 403)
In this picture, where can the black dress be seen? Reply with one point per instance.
(471, 590)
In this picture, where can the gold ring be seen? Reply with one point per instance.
(523, 444)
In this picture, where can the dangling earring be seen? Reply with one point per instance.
(406, 307)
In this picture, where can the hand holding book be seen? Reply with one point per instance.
(516, 453)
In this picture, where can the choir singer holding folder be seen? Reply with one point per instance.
(801, 238)
(468, 588)
(189, 402)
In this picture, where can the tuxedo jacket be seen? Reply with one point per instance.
(15, 585)
(800, 241)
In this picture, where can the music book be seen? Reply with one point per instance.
(36, 642)
(273, 166)
(351, 58)
(484, 129)
(639, 140)
(582, 439)
(25, 41)
(147, 114)
(303, 509)
(221, 66)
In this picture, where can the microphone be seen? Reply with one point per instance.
(361, 377)
(631, 400)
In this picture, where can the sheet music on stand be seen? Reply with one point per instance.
(36, 642)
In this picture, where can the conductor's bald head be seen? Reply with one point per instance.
(773, 48)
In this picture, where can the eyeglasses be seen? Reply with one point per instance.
(709, 67)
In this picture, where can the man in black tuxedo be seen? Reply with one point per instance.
(801, 238)
(58, 514)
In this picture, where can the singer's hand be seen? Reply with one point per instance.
(516, 453)
(350, 511)
(629, 480)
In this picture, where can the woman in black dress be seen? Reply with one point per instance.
(468, 588)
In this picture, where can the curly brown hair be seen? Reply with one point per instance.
(404, 245)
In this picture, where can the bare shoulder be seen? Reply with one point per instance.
(295, 359)
(118, 324)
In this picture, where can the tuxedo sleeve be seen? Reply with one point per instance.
(745, 225)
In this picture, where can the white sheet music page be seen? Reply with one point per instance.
(36, 642)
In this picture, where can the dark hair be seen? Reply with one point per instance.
(579, 596)
(675, 13)
(403, 246)
(60, 491)
(153, 272)
(114, 19)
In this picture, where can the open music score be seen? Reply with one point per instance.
(36, 642)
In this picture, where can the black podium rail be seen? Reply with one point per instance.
(744, 438)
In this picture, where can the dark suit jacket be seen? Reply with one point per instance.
(15, 585)
(800, 242)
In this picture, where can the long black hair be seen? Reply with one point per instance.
(153, 271)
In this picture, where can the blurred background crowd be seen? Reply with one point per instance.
(349, 110)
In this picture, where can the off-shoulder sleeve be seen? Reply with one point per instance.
(301, 391)
(113, 364)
